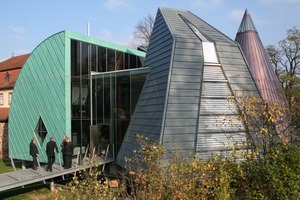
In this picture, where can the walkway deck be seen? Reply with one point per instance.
(23, 177)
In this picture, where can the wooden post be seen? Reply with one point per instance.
(52, 186)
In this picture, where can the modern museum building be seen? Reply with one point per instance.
(178, 92)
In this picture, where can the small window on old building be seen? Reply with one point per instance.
(9, 98)
(1, 99)
(7, 77)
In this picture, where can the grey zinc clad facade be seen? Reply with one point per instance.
(195, 71)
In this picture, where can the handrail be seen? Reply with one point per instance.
(107, 152)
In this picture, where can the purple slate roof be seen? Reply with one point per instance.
(259, 62)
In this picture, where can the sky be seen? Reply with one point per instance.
(25, 24)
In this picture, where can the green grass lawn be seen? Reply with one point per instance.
(5, 166)
(36, 192)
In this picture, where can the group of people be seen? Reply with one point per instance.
(67, 148)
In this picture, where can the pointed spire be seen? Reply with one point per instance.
(247, 23)
(258, 60)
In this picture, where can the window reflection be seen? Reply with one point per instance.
(119, 60)
(94, 58)
(85, 98)
(84, 58)
(101, 59)
(75, 97)
(110, 60)
(114, 95)
(132, 62)
(75, 58)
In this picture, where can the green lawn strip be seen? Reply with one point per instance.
(5, 166)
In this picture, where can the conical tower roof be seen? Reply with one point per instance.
(247, 23)
(259, 61)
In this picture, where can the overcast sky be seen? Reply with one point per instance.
(25, 24)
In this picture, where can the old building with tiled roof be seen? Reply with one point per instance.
(9, 71)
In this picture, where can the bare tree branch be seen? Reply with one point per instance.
(142, 34)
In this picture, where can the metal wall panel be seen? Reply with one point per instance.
(217, 106)
(195, 110)
(39, 93)
(156, 83)
(43, 91)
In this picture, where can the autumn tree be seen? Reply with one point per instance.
(286, 60)
(142, 33)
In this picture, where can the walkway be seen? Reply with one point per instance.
(23, 177)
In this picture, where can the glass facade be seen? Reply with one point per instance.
(115, 91)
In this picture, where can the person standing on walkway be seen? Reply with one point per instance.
(33, 151)
(69, 153)
(50, 147)
(63, 149)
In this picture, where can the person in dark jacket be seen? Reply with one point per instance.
(33, 151)
(69, 153)
(51, 147)
(63, 149)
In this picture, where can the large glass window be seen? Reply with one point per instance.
(85, 98)
(76, 98)
(114, 94)
(122, 107)
(75, 58)
(101, 59)
(132, 62)
(94, 58)
(107, 100)
(120, 61)
(117, 94)
(126, 64)
(84, 58)
(110, 60)
(140, 62)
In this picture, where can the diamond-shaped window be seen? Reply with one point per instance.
(41, 131)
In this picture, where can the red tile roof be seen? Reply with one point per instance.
(13, 62)
(4, 114)
(13, 78)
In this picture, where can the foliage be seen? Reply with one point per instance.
(88, 186)
(286, 60)
(275, 176)
(91, 184)
(268, 168)
(266, 123)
